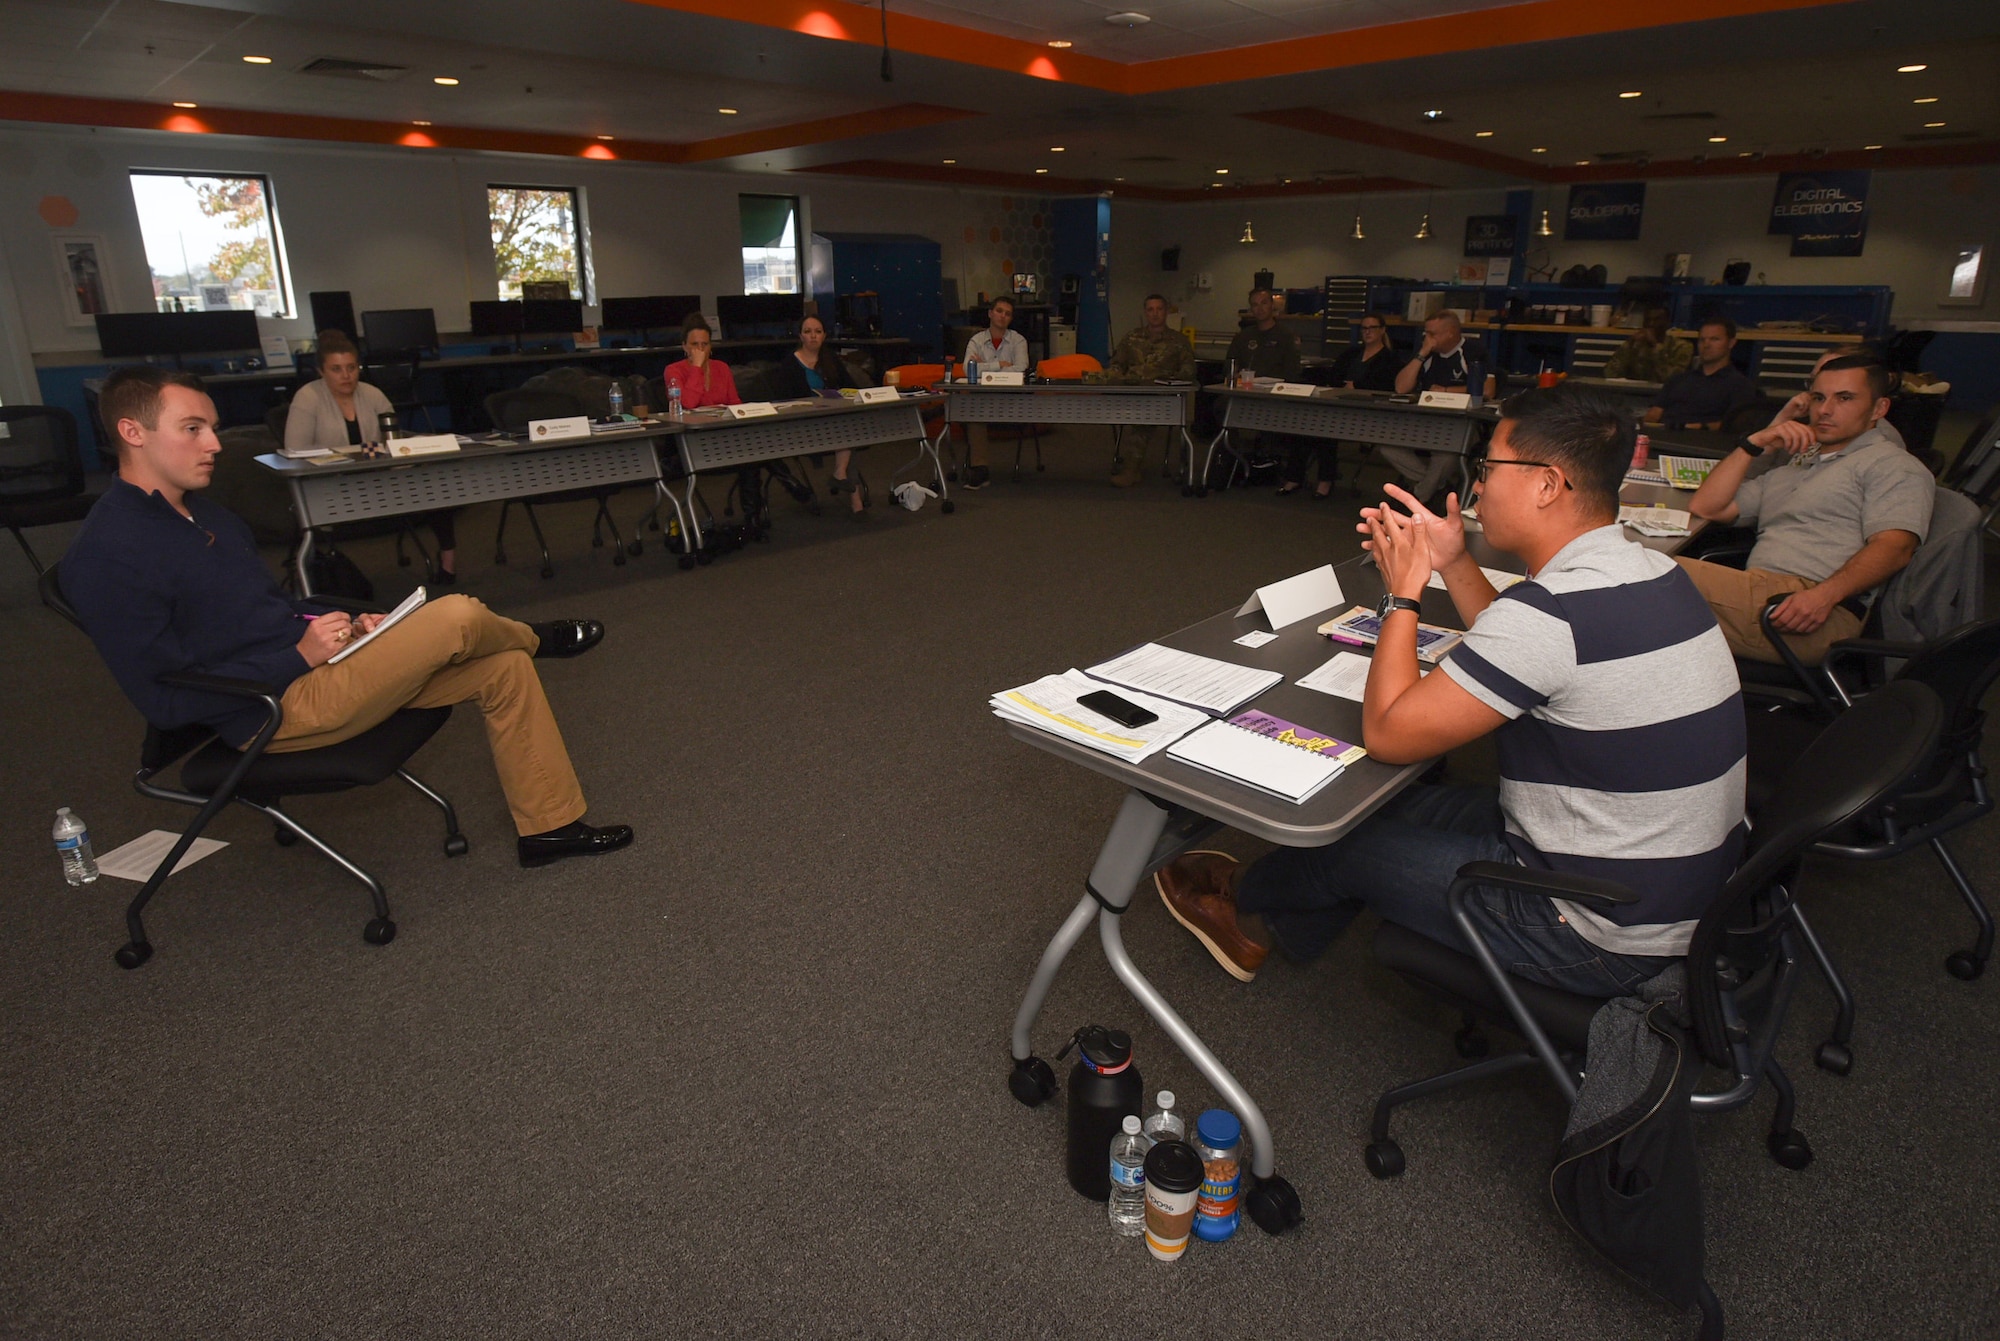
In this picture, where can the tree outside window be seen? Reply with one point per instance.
(536, 237)
(212, 243)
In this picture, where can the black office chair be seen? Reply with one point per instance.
(41, 471)
(1741, 966)
(213, 774)
(511, 412)
(395, 376)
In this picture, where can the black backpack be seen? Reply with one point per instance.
(334, 574)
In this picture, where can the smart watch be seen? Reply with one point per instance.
(1391, 604)
(1745, 445)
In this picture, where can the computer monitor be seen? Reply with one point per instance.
(660, 312)
(752, 314)
(491, 318)
(551, 316)
(550, 289)
(1027, 285)
(127, 335)
(400, 330)
(333, 310)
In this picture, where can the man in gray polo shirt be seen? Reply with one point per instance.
(1839, 510)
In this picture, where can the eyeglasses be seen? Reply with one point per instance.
(1485, 462)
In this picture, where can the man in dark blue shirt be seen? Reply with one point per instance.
(1704, 395)
(165, 580)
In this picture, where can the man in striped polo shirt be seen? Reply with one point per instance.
(1617, 715)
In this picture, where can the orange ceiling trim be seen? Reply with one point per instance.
(63, 110)
(940, 175)
(1535, 21)
(1335, 126)
(844, 21)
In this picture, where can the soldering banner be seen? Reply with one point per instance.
(1605, 212)
(1824, 213)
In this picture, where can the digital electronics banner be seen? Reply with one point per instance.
(1605, 212)
(1824, 213)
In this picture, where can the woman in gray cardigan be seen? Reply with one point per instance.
(341, 411)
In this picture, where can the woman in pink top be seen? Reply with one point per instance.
(702, 380)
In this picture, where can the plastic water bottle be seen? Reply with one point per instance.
(972, 372)
(674, 401)
(1165, 1124)
(617, 401)
(1128, 1179)
(73, 846)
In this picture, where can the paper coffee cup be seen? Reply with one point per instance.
(1174, 1174)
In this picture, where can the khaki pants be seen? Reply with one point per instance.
(975, 444)
(1738, 597)
(1424, 472)
(450, 650)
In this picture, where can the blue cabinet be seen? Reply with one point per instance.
(893, 282)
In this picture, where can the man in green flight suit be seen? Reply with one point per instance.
(1151, 353)
(1654, 354)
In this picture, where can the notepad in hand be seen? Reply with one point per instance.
(389, 621)
(1269, 753)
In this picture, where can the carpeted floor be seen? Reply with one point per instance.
(747, 1078)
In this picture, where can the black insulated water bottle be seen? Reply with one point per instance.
(1104, 1087)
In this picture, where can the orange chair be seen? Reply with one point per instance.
(1068, 367)
(917, 376)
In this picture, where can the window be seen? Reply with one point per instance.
(537, 236)
(770, 243)
(1967, 285)
(212, 243)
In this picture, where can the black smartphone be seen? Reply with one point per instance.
(1120, 710)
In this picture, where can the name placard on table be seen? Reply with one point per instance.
(1293, 389)
(872, 395)
(1446, 400)
(554, 430)
(423, 444)
(1002, 378)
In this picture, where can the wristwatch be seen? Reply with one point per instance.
(1744, 444)
(1391, 604)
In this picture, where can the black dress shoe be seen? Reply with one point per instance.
(567, 637)
(572, 840)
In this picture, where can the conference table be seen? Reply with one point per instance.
(1170, 807)
(1335, 414)
(330, 491)
(1118, 405)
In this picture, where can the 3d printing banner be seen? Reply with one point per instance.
(1824, 213)
(1605, 212)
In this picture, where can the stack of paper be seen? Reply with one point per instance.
(1050, 703)
(1268, 753)
(1654, 521)
(1216, 687)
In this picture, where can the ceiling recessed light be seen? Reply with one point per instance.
(1117, 179)
(190, 106)
(1933, 125)
(949, 161)
(607, 137)
(1222, 172)
(1538, 150)
(1055, 148)
(1911, 69)
(420, 123)
(1743, 153)
(1482, 134)
(1060, 45)
(1921, 101)
(257, 60)
(1583, 162)
(445, 80)
(1041, 172)
(1718, 139)
(726, 111)
(1871, 146)
(1635, 93)
(1432, 114)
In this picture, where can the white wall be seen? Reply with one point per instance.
(407, 227)
(1917, 221)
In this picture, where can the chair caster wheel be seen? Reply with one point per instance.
(379, 931)
(1039, 467)
(687, 562)
(1789, 1148)
(133, 953)
(548, 570)
(402, 561)
(284, 837)
(654, 526)
(500, 556)
(1032, 1082)
(636, 548)
(1471, 1042)
(456, 846)
(1965, 966)
(1274, 1205)
(617, 558)
(1835, 1057)
(947, 507)
(1384, 1159)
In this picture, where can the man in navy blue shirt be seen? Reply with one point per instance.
(165, 581)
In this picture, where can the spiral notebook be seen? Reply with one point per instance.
(1269, 753)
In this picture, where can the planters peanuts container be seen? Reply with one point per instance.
(1104, 1087)
(1219, 1209)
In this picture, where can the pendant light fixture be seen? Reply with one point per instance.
(1424, 228)
(1543, 230)
(1358, 234)
(1248, 236)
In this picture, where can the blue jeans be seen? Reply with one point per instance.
(1400, 862)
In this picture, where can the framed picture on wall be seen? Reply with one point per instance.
(86, 282)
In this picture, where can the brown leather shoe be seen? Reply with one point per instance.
(1199, 890)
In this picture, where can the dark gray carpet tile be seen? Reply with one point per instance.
(747, 1078)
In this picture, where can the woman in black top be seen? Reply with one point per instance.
(807, 371)
(1368, 366)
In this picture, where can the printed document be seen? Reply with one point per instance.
(389, 621)
(1216, 687)
(138, 859)
(1050, 703)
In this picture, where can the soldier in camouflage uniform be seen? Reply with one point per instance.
(1654, 354)
(1150, 353)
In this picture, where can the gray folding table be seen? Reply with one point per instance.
(1118, 406)
(1354, 416)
